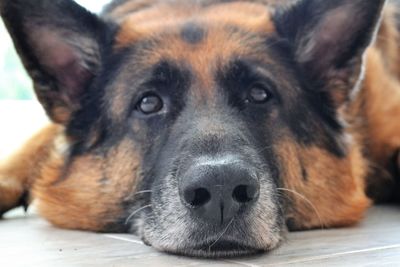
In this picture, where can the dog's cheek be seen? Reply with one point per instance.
(94, 193)
(321, 189)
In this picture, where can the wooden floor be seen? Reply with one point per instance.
(31, 241)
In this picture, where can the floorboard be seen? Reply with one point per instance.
(26, 240)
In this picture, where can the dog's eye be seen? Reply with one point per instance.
(150, 104)
(259, 94)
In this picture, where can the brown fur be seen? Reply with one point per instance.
(19, 172)
(313, 202)
(91, 199)
(333, 193)
(201, 57)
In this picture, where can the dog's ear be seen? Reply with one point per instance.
(60, 45)
(329, 39)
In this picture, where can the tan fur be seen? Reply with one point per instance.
(91, 198)
(374, 117)
(332, 195)
(19, 172)
(251, 16)
(202, 57)
(382, 94)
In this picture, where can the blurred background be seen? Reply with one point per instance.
(20, 114)
(14, 82)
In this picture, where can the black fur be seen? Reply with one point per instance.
(35, 25)
(191, 124)
(313, 28)
(192, 33)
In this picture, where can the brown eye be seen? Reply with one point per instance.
(150, 104)
(259, 94)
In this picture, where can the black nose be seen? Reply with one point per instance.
(216, 193)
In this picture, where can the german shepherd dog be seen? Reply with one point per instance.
(208, 127)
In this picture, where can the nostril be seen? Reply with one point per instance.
(244, 193)
(197, 197)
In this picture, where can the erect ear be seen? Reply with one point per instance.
(60, 45)
(329, 39)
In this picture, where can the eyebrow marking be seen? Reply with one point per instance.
(192, 33)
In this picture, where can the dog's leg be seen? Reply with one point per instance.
(18, 173)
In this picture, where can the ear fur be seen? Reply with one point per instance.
(329, 39)
(60, 44)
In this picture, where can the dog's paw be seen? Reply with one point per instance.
(12, 195)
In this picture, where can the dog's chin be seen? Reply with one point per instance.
(220, 249)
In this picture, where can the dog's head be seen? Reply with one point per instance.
(207, 128)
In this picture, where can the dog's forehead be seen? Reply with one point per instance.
(201, 38)
(161, 18)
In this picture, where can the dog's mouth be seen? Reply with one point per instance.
(218, 207)
(221, 248)
(231, 242)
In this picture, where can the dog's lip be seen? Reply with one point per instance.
(221, 248)
(223, 245)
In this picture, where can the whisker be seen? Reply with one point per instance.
(307, 201)
(265, 148)
(135, 212)
(223, 232)
(143, 192)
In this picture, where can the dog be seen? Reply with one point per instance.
(208, 128)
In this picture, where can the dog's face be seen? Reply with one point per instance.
(204, 129)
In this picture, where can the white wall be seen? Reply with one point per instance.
(93, 5)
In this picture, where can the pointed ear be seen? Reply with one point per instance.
(60, 45)
(329, 39)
